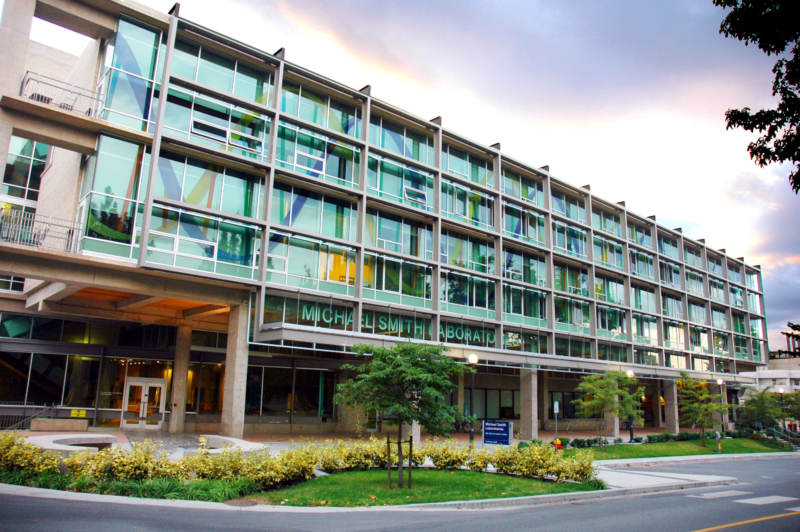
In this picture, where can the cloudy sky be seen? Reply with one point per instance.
(627, 96)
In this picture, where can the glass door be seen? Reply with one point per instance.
(143, 404)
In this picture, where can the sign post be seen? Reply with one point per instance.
(497, 432)
(555, 413)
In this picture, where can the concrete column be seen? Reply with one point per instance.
(612, 425)
(460, 394)
(671, 406)
(15, 30)
(544, 405)
(412, 430)
(657, 411)
(720, 417)
(180, 378)
(235, 373)
(529, 404)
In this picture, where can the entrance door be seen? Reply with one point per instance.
(143, 404)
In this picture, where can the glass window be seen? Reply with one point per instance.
(47, 379)
(609, 289)
(698, 339)
(648, 358)
(674, 335)
(717, 290)
(81, 382)
(719, 318)
(671, 306)
(643, 299)
(641, 264)
(754, 302)
(715, 266)
(571, 279)
(15, 326)
(572, 315)
(697, 312)
(606, 222)
(611, 322)
(523, 224)
(117, 167)
(401, 140)
(736, 297)
(313, 393)
(640, 235)
(756, 327)
(461, 333)
(569, 206)
(467, 166)
(668, 246)
(400, 183)
(695, 283)
(467, 205)
(753, 280)
(24, 168)
(693, 257)
(734, 274)
(467, 252)
(14, 368)
(645, 329)
(569, 240)
(524, 305)
(670, 274)
(608, 253)
(525, 267)
(523, 187)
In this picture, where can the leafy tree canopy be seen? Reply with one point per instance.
(773, 26)
(407, 382)
(761, 406)
(610, 392)
(698, 405)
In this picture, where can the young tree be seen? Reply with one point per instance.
(408, 384)
(772, 26)
(761, 407)
(613, 392)
(698, 405)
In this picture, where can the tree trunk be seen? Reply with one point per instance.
(703, 436)
(400, 455)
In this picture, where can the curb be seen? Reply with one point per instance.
(485, 504)
(689, 459)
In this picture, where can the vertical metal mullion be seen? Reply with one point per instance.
(99, 384)
(293, 399)
(156, 145)
(261, 396)
(64, 384)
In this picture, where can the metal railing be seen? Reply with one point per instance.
(30, 229)
(779, 433)
(18, 415)
(68, 97)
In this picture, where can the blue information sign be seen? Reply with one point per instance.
(497, 432)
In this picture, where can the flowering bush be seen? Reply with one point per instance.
(17, 455)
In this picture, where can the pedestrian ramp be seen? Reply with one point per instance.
(641, 479)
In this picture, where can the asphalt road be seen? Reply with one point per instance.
(671, 512)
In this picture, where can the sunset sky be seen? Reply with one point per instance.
(629, 97)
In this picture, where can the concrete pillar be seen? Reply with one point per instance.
(657, 410)
(460, 394)
(544, 405)
(612, 425)
(235, 373)
(529, 404)
(720, 417)
(671, 406)
(180, 379)
(15, 30)
(412, 430)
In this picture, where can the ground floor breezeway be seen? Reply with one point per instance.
(145, 377)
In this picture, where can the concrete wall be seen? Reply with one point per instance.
(61, 181)
(49, 62)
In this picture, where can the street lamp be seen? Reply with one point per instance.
(720, 382)
(473, 361)
(630, 416)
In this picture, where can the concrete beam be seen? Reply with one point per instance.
(61, 128)
(207, 310)
(106, 273)
(135, 302)
(51, 292)
(77, 16)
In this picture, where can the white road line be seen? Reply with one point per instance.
(767, 500)
(721, 494)
(793, 509)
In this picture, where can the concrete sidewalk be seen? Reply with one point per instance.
(635, 462)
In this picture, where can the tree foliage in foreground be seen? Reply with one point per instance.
(611, 392)
(698, 405)
(773, 26)
(761, 407)
(408, 383)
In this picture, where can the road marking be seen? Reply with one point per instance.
(731, 525)
(762, 476)
(772, 499)
(721, 494)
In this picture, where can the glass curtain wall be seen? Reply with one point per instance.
(303, 262)
(467, 166)
(400, 183)
(466, 205)
(321, 109)
(609, 290)
(396, 280)
(523, 187)
(316, 155)
(525, 267)
(397, 234)
(305, 210)
(524, 305)
(523, 224)
(397, 138)
(468, 252)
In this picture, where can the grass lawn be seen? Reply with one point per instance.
(369, 488)
(679, 448)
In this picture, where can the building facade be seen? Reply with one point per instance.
(195, 232)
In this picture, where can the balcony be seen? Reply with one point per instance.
(68, 97)
(28, 229)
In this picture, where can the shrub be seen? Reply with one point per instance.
(637, 439)
(617, 441)
(449, 455)
(660, 438)
(688, 436)
(480, 460)
(18, 455)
